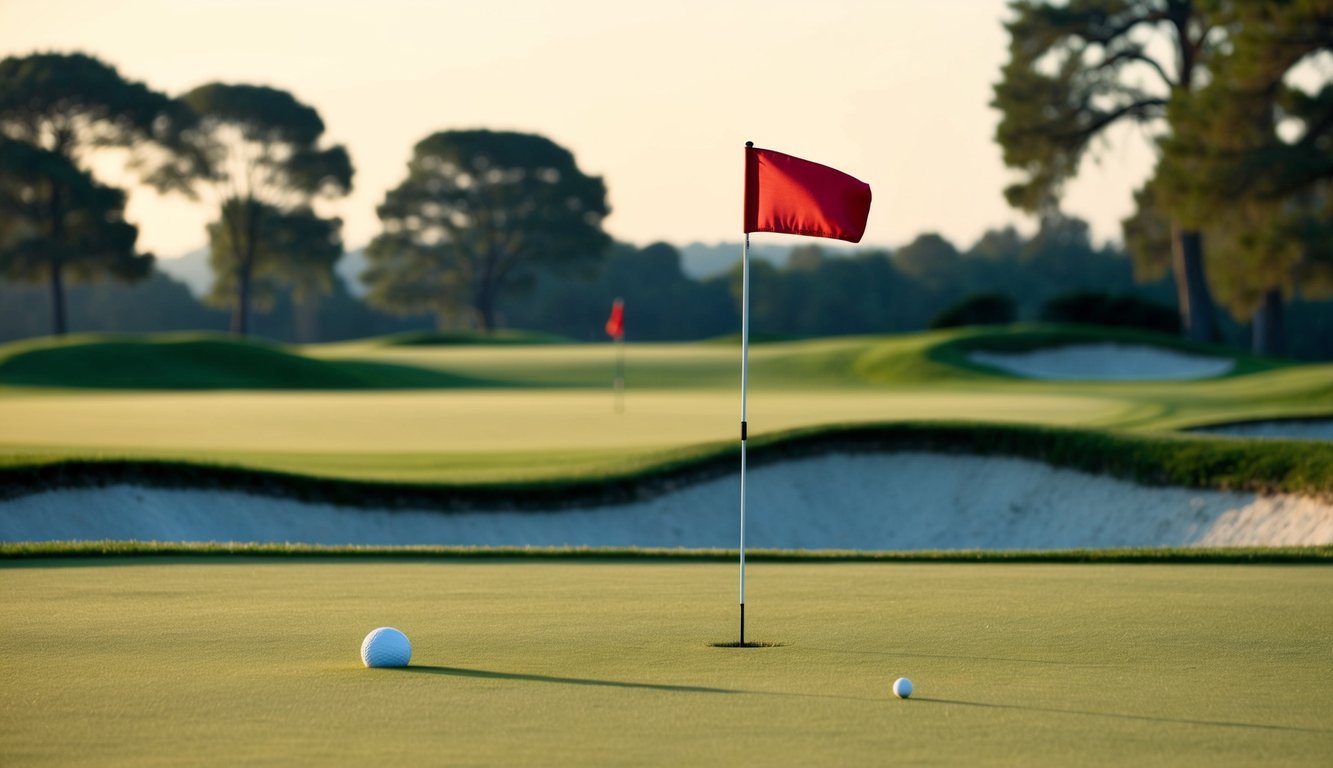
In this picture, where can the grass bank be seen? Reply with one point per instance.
(131, 551)
(1176, 460)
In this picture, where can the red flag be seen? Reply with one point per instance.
(797, 197)
(615, 325)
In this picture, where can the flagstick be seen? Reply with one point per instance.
(620, 374)
(745, 375)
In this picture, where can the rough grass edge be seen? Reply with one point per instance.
(18, 552)
(1262, 466)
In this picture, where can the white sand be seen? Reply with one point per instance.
(866, 502)
(1104, 362)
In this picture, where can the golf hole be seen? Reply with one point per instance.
(750, 644)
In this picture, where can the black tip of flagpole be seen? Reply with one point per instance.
(749, 144)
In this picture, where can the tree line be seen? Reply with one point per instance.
(492, 228)
(1057, 274)
(1239, 208)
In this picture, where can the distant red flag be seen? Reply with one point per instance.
(615, 325)
(792, 196)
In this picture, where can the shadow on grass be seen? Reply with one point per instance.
(490, 675)
(1121, 716)
(918, 654)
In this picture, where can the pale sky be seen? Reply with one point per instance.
(657, 97)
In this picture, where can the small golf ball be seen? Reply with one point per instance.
(386, 647)
(902, 688)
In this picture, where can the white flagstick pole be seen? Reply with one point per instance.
(745, 375)
(620, 373)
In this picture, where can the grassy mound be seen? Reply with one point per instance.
(470, 338)
(944, 355)
(194, 362)
(1030, 338)
(518, 359)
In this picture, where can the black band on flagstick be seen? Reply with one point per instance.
(742, 430)
(742, 625)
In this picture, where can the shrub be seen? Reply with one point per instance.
(978, 309)
(1095, 308)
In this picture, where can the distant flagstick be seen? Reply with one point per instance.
(620, 374)
(615, 328)
(788, 195)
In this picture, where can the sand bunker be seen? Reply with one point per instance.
(1105, 362)
(901, 501)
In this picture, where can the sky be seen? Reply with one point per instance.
(657, 97)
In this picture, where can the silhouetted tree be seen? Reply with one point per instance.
(1099, 308)
(258, 155)
(56, 221)
(54, 109)
(978, 309)
(156, 303)
(930, 259)
(479, 212)
(295, 250)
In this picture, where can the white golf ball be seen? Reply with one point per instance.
(902, 688)
(386, 647)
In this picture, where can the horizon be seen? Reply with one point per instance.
(606, 81)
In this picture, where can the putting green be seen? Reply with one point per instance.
(141, 662)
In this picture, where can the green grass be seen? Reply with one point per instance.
(531, 662)
(386, 410)
(1188, 461)
(435, 338)
(528, 360)
(1035, 337)
(197, 361)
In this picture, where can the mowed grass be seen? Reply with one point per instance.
(382, 409)
(225, 662)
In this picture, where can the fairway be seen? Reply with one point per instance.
(568, 662)
(462, 435)
(489, 413)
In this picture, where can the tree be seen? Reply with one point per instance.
(930, 259)
(662, 302)
(292, 249)
(258, 153)
(312, 246)
(57, 221)
(54, 109)
(1100, 308)
(978, 309)
(480, 212)
(156, 303)
(1075, 69)
(1250, 161)
(998, 245)
(1062, 253)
